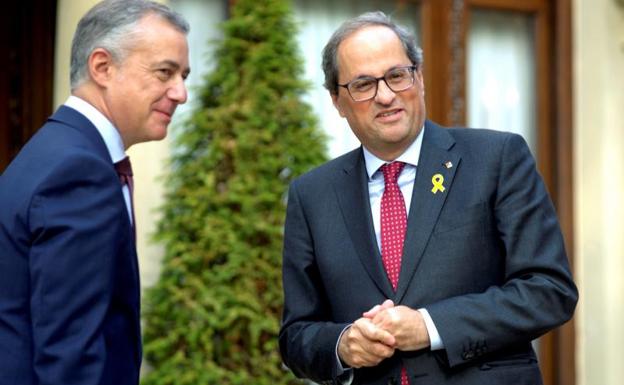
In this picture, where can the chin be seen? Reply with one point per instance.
(396, 134)
(158, 133)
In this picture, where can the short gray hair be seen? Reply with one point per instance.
(377, 18)
(110, 25)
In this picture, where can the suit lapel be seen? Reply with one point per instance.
(425, 204)
(351, 187)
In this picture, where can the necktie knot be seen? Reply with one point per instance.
(124, 170)
(391, 172)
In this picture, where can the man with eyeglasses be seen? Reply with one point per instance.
(429, 255)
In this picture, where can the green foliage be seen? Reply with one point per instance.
(213, 317)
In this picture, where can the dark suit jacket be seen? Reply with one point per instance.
(485, 257)
(69, 284)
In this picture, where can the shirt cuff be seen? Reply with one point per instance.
(434, 336)
(345, 375)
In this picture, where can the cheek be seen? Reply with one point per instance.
(414, 98)
(357, 114)
(363, 113)
(339, 107)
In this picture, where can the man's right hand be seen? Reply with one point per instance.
(365, 344)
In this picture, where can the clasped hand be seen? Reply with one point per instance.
(379, 332)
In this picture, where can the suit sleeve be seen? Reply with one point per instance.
(75, 220)
(307, 339)
(537, 294)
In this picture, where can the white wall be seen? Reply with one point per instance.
(599, 189)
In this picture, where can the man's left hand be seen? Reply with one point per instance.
(405, 324)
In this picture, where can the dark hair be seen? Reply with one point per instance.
(330, 57)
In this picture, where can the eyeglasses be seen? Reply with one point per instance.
(365, 87)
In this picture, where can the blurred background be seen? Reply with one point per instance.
(551, 70)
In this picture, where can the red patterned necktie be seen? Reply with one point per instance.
(124, 170)
(393, 222)
(393, 226)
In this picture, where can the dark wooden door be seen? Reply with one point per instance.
(26, 71)
(445, 25)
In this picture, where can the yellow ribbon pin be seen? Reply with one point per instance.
(437, 181)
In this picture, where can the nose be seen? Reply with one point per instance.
(384, 94)
(177, 92)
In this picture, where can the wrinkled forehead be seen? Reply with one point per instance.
(370, 51)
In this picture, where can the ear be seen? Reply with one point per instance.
(100, 65)
(337, 104)
(418, 77)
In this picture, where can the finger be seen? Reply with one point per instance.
(370, 354)
(376, 334)
(388, 318)
(357, 350)
(387, 304)
(377, 308)
(372, 312)
(380, 351)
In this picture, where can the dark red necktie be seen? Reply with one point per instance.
(393, 226)
(124, 170)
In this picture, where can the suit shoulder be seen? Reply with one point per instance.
(45, 163)
(485, 141)
(482, 136)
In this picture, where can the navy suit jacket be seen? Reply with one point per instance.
(69, 284)
(485, 257)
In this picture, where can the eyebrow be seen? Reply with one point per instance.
(173, 64)
(385, 72)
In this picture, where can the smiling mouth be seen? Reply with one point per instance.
(388, 113)
(167, 114)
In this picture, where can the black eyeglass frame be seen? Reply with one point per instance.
(411, 68)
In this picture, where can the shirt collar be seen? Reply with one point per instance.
(409, 156)
(109, 133)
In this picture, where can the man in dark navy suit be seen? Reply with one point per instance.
(426, 256)
(69, 283)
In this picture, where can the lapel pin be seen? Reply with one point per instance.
(448, 164)
(437, 181)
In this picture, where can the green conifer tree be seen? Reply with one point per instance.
(213, 317)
